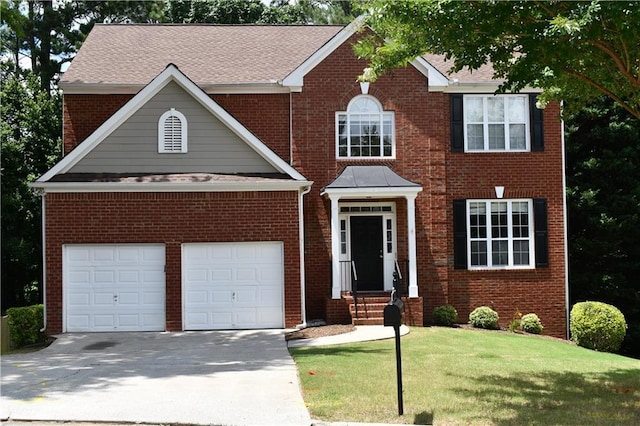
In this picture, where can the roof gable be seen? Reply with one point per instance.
(169, 75)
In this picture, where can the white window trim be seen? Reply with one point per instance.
(485, 124)
(183, 132)
(348, 114)
(510, 238)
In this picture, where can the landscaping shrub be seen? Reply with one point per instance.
(531, 324)
(484, 317)
(445, 315)
(598, 326)
(25, 324)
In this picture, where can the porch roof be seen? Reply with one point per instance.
(367, 177)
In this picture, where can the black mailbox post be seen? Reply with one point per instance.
(393, 318)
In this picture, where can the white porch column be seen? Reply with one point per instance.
(335, 247)
(411, 234)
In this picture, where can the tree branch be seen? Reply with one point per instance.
(633, 111)
(616, 60)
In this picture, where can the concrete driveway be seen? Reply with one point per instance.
(209, 377)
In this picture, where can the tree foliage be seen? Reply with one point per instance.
(603, 201)
(575, 51)
(30, 132)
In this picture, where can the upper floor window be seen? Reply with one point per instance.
(365, 130)
(496, 123)
(172, 132)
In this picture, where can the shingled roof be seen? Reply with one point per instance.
(133, 54)
(208, 54)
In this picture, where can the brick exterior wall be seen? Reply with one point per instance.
(171, 219)
(423, 155)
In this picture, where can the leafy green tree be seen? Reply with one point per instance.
(603, 199)
(575, 51)
(30, 134)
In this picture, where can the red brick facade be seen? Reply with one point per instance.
(422, 155)
(171, 219)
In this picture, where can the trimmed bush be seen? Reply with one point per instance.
(484, 317)
(531, 324)
(25, 324)
(597, 326)
(445, 315)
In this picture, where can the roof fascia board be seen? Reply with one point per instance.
(295, 79)
(171, 73)
(381, 192)
(66, 187)
(484, 87)
(210, 88)
(436, 78)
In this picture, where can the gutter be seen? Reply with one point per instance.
(303, 295)
(44, 264)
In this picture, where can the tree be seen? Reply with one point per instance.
(30, 132)
(574, 51)
(603, 200)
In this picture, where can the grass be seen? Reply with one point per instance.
(460, 377)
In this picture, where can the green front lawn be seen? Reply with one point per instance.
(459, 377)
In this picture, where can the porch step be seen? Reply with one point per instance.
(370, 308)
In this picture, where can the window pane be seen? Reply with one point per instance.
(475, 136)
(478, 220)
(516, 109)
(517, 136)
(496, 136)
(495, 109)
(364, 105)
(500, 253)
(520, 219)
(521, 252)
(473, 110)
(478, 253)
(499, 220)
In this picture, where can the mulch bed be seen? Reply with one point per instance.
(321, 331)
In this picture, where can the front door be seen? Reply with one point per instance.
(367, 251)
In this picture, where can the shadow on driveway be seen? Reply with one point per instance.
(209, 377)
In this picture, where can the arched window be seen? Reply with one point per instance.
(172, 132)
(365, 130)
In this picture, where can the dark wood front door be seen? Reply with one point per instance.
(366, 251)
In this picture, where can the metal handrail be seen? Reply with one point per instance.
(397, 267)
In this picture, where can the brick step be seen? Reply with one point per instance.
(369, 306)
(368, 321)
(367, 313)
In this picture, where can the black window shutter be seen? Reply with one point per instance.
(460, 234)
(537, 127)
(540, 231)
(457, 124)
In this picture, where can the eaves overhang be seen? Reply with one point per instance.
(68, 187)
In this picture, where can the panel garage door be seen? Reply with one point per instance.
(233, 285)
(114, 287)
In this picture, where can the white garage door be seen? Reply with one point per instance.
(114, 287)
(233, 285)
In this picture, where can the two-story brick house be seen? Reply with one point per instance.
(241, 177)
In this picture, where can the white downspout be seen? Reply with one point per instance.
(303, 293)
(564, 213)
(44, 264)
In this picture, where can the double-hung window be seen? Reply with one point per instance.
(500, 233)
(496, 123)
(365, 130)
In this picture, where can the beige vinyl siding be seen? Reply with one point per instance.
(133, 147)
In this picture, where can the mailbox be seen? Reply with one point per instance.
(393, 313)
